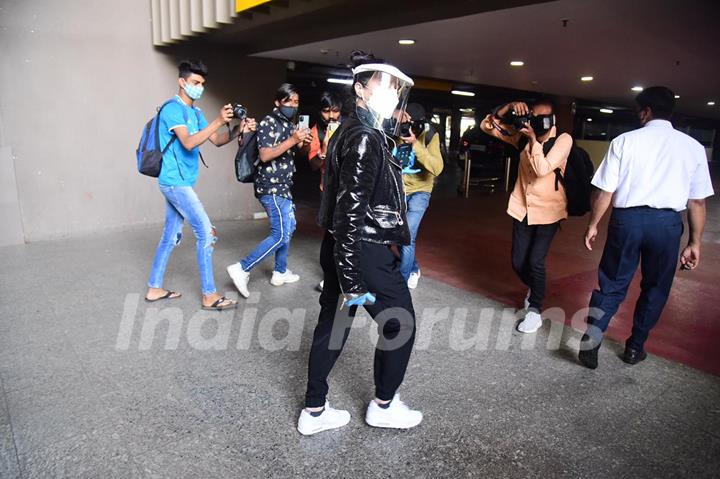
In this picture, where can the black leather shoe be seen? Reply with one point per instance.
(588, 356)
(633, 356)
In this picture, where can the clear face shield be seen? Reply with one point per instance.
(384, 95)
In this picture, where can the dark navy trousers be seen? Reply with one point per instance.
(651, 238)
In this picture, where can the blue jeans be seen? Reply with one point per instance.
(417, 203)
(637, 236)
(281, 212)
(181, 203)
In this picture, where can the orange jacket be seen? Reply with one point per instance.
(534, 194)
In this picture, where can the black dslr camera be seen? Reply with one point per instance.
(239, 111)
(518, 122)
(417, 127)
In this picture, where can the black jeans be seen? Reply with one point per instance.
(530, 246)
(393, 311)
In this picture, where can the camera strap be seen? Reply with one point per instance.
(502, 131)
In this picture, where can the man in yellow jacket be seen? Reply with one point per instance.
(419, 184)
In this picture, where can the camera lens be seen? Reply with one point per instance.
(239, 111)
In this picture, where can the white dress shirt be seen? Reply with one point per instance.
(656, 166)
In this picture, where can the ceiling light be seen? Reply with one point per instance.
(340, 81)
(605, 110)
(711, 103)
(406, 41)
(588, 78)
(677, 97)
(637, 88)
(589, 119)
(517, 63)
(603, 133)
(462, 93)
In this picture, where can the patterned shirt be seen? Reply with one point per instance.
(275, 176)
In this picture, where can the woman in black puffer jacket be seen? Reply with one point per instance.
(363, 211)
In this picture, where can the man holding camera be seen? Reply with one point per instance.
(418, 182)
(184, 128)
(536, 205)
(278, 135)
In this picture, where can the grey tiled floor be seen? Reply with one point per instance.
(74, 405)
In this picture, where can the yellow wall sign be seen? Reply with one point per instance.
(242, 5)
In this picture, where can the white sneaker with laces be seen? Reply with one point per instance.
(240, 278)
(396, 416)
(329, 419)
(526, 303)
(413, 280)
(278, 279)
(531, 323)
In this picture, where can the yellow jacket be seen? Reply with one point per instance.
(429, 160)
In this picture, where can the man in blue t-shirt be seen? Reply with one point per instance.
(185, 126)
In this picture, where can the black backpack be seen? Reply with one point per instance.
(247, 158)
(430, 134)
(576, 180)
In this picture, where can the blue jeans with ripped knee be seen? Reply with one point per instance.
(181, 203)
(417, 204)
(281, 212)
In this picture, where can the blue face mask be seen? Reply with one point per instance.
(288, 111)
(194, 91)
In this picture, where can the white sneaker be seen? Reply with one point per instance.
(396, 416)
(329, 419)
(240, 278)
(531, 323)
(413, 280)
(278, 279)
(526, 303)
(321, 285)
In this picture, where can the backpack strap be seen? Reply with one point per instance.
(157, 129)
(559, 179)
(430, 134)
(198, 120)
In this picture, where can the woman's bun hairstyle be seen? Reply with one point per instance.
(359, 57)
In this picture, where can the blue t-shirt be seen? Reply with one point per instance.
(180, 166)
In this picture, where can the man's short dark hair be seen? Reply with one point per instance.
(543, 101)
(329, 100)
(188, 67)
(660, 100)
(285, 91)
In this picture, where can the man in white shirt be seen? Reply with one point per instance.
(650, 176)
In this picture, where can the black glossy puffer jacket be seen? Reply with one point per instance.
(363, 197)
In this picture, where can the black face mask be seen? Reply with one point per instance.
(288, 112)
(542, 123)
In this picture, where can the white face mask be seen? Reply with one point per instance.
(383, 102)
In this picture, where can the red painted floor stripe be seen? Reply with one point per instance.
(466, 243)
